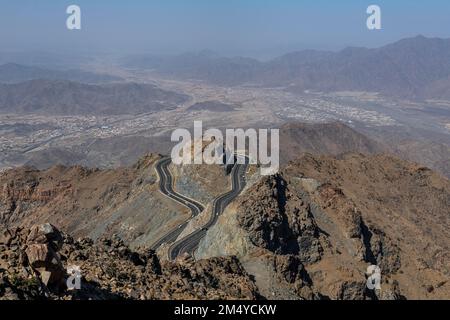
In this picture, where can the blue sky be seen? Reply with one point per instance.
(232, 27)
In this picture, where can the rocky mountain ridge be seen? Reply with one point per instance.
(334, 217)
(62, 97)
(416, 67)
(309, 232)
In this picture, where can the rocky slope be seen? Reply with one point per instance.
(309, 232)
(91, 202)
(322, 221)
(334, 138)
(35, 264)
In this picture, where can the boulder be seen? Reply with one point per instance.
(46, 233)
(38, 255)
(43, 242)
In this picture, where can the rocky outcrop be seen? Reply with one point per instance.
(312, 231)
(31, 255)
(42, 244)
(34, 264)
(376, 210)
(369, 243)
(279, 221)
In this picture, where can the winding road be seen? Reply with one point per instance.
(166, 188)
(189, 243)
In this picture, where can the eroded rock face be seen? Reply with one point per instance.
(384, 252)
(279, 221)
(315, 238)
(370, 243)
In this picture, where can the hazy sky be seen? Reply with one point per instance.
(232, 27)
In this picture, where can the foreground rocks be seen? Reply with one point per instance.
(34, 264)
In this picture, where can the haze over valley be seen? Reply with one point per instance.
(114, 113)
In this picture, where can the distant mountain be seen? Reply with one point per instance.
(46, 60)
(204, 65)
(410, 68)
(416, 67)
(323, 139)
(15, 73)
(59, 97)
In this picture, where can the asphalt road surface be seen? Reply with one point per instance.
(189, 243)
(166, 187)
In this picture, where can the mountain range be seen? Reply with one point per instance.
(62, 97)
(15, 73)
(331, 138)
(415, 68)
